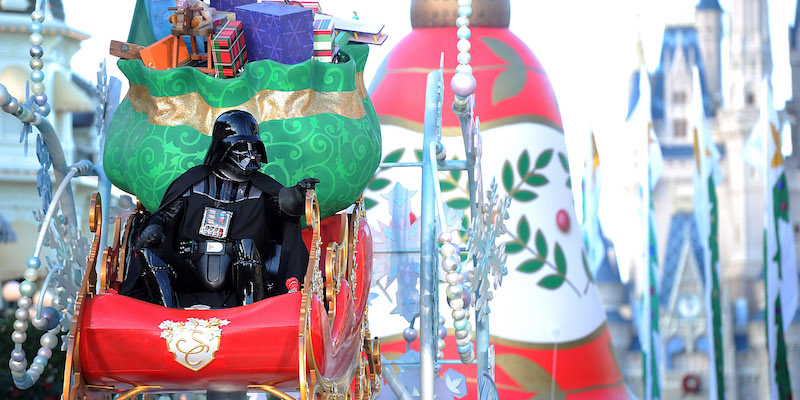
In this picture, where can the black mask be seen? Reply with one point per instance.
(236, 146)
(244, 156)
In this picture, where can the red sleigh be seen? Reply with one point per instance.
(314, 342)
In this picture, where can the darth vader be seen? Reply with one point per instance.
(225, 233)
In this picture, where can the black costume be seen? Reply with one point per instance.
(232, 233)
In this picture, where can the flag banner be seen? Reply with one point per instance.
(650, 165)
(705, 177)
(780, 262)
(592, 235)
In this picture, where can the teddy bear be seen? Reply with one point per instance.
(199, 18)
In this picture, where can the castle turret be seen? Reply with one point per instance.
(750, 58)
(708, 22)
(793, 105)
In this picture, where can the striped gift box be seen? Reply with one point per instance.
(228, 49)
(231, 70)
(227, 35)
(324, 36)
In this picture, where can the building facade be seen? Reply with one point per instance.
(73, 105)
(731, 99)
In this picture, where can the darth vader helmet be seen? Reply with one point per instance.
(235, 144)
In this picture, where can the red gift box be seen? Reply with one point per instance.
(229, 49)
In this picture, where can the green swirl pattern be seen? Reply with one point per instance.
(343, 153)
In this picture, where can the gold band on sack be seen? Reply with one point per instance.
(360, 88)
(191, 109)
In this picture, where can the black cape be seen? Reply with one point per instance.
(294, 254)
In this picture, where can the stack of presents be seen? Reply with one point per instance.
(237, 31)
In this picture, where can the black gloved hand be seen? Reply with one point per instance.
(151, 236)
(307, 183)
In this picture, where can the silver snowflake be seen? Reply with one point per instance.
(485, 254)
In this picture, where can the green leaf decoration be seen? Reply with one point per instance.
(378, 184)
(544, 159)
(523, 164)
(564, 162)
(561, 261)
(508, 176)
(394, 156)
(456, 174)
(551, 282)
(541, 244)
(512, 80)
(585, 266)
(569, 183)
(369, 203)
(530, 266)
(514, 247)
(523, 230)
(509, 83)
(524, 195)
(418, 155)
(447, 186)
(458, 203)
(536, 180)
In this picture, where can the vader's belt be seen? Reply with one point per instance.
(201, 247)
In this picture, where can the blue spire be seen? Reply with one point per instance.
(708, 5)
(793, 29)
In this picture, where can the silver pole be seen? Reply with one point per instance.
(12, 106)
(428, 278)
(391, 379)
(470, 132)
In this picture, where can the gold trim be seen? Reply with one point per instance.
(305, 353)
(361, 89)
(442, 13)
(266, 105)
(72, 367)
(455, 131)
(334, 268)
(99, 387)
(137, 391)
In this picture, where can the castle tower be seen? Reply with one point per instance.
(750, 57)
(742, 215)
(793, 105)
(708, 22)
(793, 111)
(72, 112)
(672, 108)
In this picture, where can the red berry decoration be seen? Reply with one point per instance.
(562, 220)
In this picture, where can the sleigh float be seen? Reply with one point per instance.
(315, 342)
(312, 343)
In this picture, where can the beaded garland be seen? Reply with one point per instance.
(463, 85)
(50, 319)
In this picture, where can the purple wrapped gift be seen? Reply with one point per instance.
(278, 32)
(229, 5)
